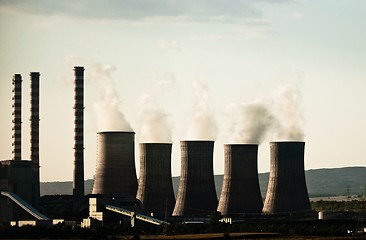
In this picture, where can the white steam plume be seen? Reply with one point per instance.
(289, 114)
(280, 116)
(154, 127)
(252, 122)
(108, 116)
(202, 126)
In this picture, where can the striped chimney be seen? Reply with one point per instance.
(78, 188)
(34, 132)
(17, 117)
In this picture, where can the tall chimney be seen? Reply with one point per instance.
(78, 188)
(196, 193)
(287, 191)
(240, 190)
(155, 188)
(34, 130)
(17, 117)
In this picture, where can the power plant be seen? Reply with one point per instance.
(116, 188)
(116, 172)
(19, 178)
(78, 189)
(155, 188)
(240, 192)
(287, 191)
(196, 192)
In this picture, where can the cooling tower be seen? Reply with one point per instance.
(78, 187)
(287, 192)
(34, 132)
(196, 193)
(17, 117)
(240, 190)
(155, 190)
(115, 172)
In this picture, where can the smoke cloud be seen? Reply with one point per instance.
(154, 126)
(290, 117)
(279, 116)
(252, 122)
(202, 126)
(106, 109)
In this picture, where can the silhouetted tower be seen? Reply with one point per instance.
(78, 188)
(240, 192)
(287, 191)
(116, 173)
(17, 117)
(155, 189)
(34, 132)
(196, 193)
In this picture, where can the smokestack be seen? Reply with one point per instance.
(116, 172)
(17, 117)
(155, 190)
(78, 188)
(240, 190)
(196, 193)
(287, 192)
(34, 130)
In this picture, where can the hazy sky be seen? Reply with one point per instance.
(231, 71)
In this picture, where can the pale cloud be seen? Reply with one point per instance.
(167, 45)
(250, 29)
(137, 10)
(297, 15)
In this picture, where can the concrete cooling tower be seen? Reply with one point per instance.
(115, 173)
(196, 193)
(287, 192)
(240, 190)
(155, 190)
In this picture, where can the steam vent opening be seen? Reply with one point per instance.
(196, 192)
(240, 190)
(115, 172)
(287, 191)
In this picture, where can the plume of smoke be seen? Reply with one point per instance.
(153, 121)
(289, 114)
(279, 115)
(106, 108)
(252, 122)
(202, 126)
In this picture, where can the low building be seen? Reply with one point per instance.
(16, 177)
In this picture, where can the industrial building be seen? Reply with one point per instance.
(16, 176)
(117, 191)
(20, 177)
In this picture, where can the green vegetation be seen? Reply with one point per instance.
(344, 206)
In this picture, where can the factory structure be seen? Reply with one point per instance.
(118, 193)
(20, 177)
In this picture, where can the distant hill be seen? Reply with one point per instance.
(320, 183)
